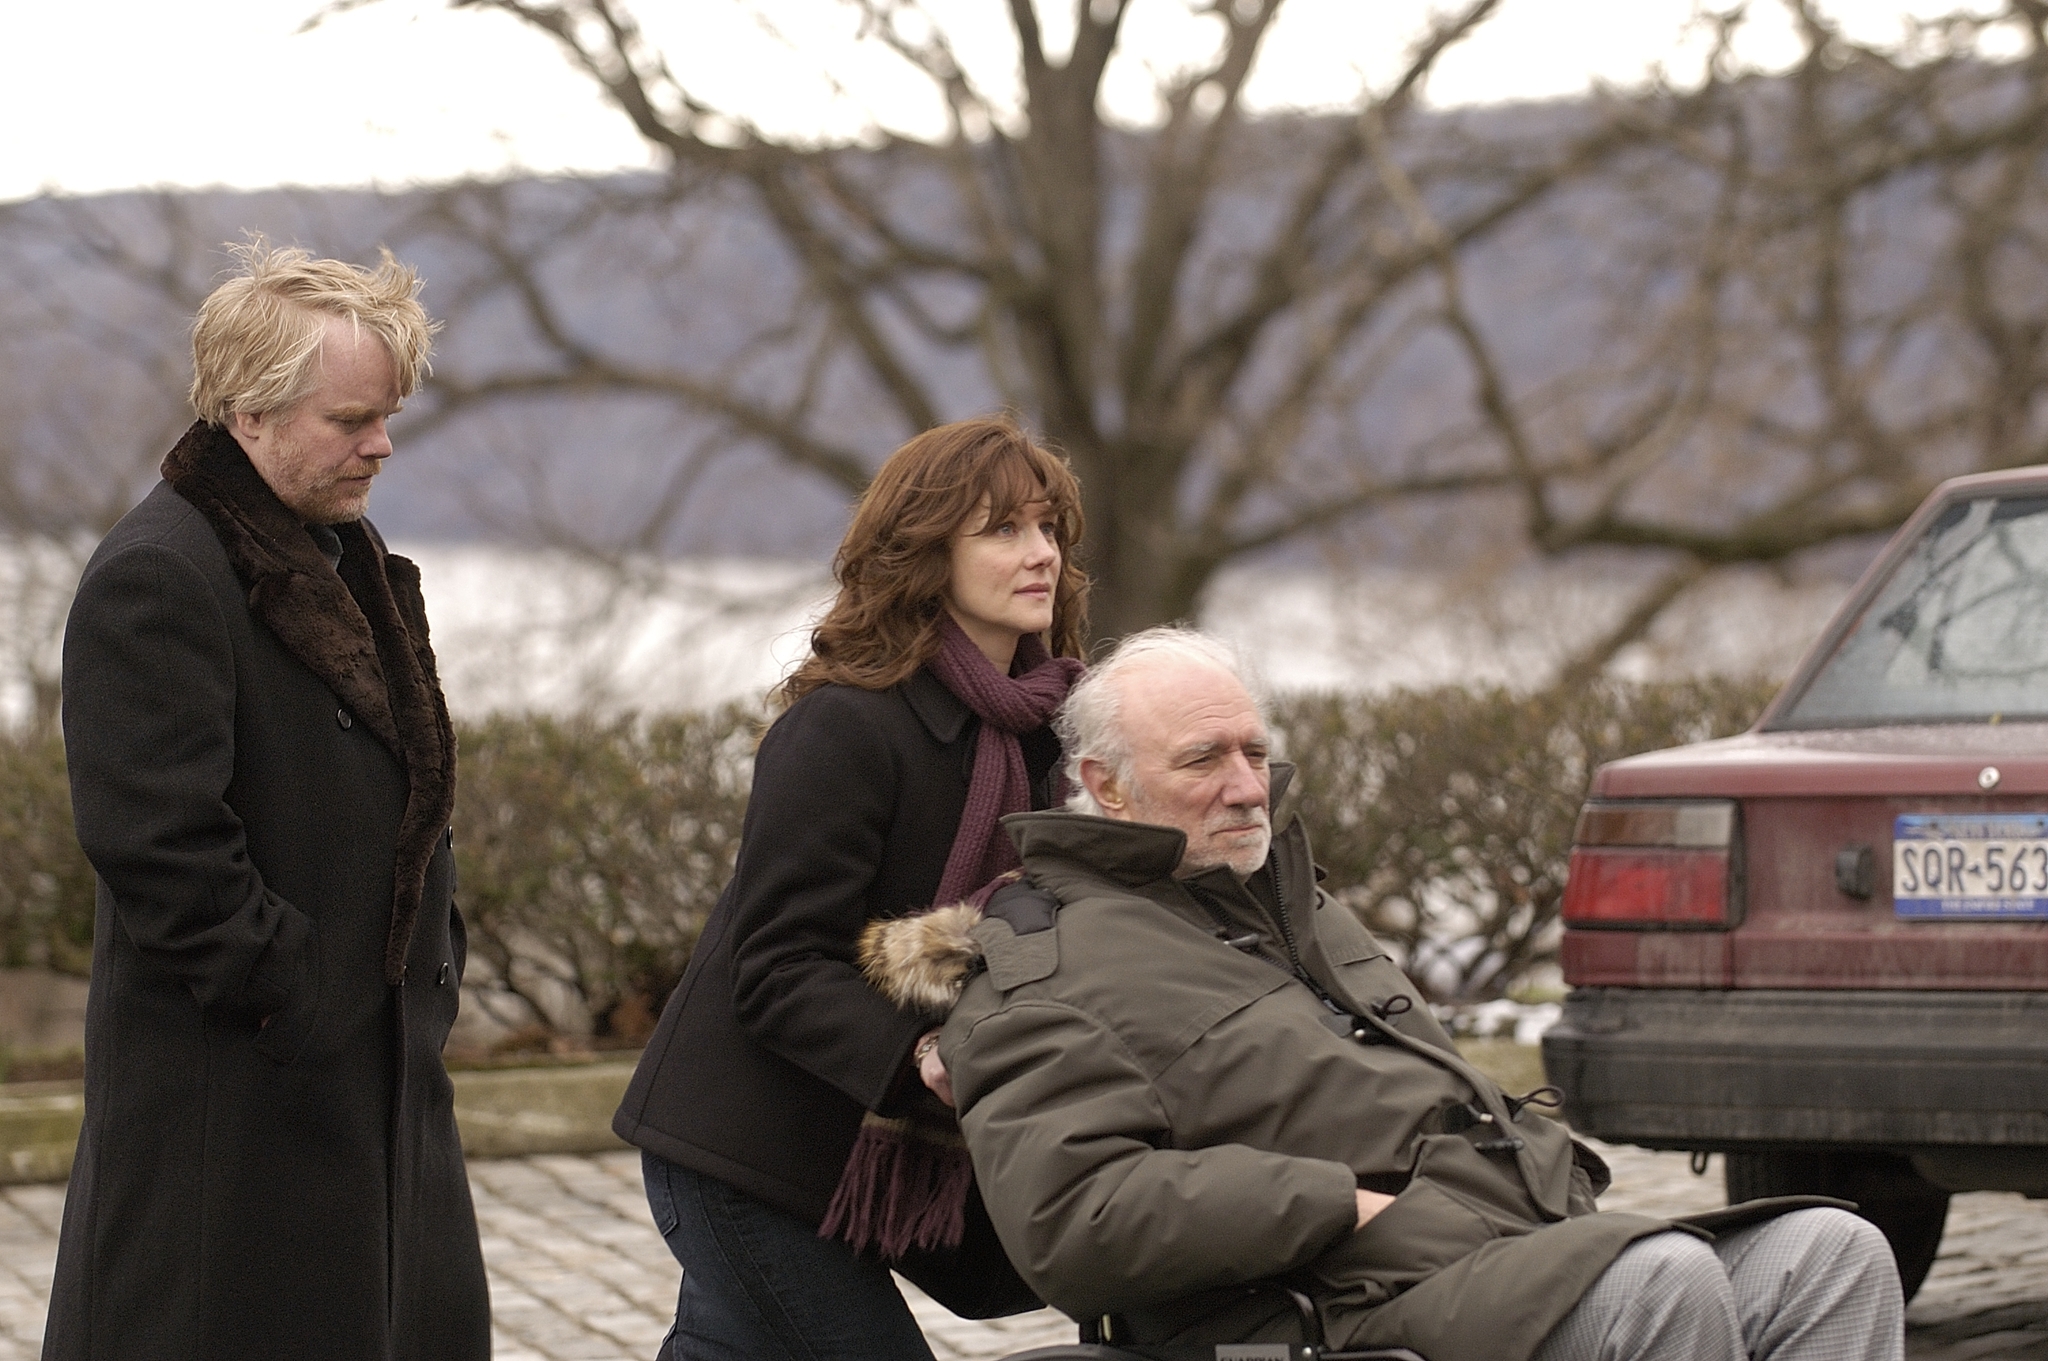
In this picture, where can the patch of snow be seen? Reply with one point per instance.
(1522, 1022)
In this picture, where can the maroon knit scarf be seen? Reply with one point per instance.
(1009, 706)
(905, 1183)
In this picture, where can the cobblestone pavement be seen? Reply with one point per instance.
(578, 1273)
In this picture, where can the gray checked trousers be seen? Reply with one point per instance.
(1814, 1285)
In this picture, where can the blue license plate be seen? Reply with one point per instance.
(1970, 866)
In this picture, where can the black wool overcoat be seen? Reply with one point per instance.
(261, 772)
(773, 1045)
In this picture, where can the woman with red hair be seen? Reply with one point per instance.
(793, 1146)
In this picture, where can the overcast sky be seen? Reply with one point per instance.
(111, 94)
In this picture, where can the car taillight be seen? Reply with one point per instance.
(1637, 865)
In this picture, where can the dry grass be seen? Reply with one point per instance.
(1518, 1068)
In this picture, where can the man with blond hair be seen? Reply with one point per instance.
(261, 772)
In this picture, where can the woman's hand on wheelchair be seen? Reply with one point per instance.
(931, 1070)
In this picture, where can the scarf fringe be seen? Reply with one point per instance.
(904, 1189)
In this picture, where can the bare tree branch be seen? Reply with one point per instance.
(1194, 311)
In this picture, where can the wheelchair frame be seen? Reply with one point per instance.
(1097, 1344)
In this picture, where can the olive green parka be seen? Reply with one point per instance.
(1163, 1113)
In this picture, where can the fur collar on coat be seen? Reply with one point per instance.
(361, 630)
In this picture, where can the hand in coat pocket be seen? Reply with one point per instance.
(1370, 1203)
(281, 1036)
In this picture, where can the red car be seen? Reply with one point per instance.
(1821, 948)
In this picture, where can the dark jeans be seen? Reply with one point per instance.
(760, 1285)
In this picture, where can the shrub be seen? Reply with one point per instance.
(46, 885)
(589, 854)
(1445, 816)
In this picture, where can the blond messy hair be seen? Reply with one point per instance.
(256, 340)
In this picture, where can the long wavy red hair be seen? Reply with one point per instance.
(895, 562)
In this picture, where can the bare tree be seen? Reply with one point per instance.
(1191, 312)
(95, 301)
(1836, 299)
(1820, 289)
(1820, 285)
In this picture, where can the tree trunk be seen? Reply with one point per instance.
(1132, 549)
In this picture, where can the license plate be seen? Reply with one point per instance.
(1971, 866)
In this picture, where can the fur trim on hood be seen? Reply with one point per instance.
(362, 631)
(922, 962)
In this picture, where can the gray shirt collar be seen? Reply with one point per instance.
(328, 542)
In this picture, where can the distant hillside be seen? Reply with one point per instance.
(98, 291)
(95, 294)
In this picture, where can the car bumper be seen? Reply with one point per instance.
(1733, 1070)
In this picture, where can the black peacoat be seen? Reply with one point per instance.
(269, 1165)
(773, 1045)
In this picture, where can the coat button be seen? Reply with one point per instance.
(403, 970)
(343, 717)
(442, 981)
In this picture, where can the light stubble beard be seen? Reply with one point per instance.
(330, 501)
(1244, 862)
(319, 496)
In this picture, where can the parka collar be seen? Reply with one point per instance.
(1281, 799)
(1129, 854)
(922, 961)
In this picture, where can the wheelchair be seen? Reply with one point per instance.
(1099, 1342)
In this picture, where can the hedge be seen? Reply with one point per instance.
(589, 852)
(1445, 816)
(46, 886)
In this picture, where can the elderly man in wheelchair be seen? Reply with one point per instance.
(1201, 1100)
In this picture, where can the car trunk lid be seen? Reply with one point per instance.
(1814, 898)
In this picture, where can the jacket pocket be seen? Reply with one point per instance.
(284, 1038)
(1423, 1231)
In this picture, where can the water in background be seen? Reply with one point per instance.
(525, 630)
(521, 630)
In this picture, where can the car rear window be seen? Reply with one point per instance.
(1958, 632)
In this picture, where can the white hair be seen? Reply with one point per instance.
(1090, 723)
